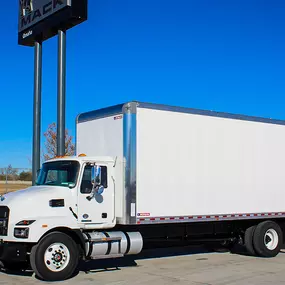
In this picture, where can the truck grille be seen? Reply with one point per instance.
(4, 219)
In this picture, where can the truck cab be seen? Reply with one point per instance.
(90, 184)
(64, 217)
(68, 193)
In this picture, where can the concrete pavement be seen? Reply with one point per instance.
(191, 269)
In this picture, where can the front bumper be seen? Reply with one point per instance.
(13, 252)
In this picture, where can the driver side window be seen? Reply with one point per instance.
(86, 183)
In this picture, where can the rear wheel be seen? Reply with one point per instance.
(55, 257)
(267, 239)
(248, 240)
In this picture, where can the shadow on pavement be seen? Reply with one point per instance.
(152, 252)
(161, 251)
(23, 273)
(95, 266)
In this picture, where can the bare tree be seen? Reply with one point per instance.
(30, 160)
(51, 143)
(12, 172)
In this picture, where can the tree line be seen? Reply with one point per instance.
(14, 174)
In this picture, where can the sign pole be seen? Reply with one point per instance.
(61, 92)
(40, 20)
(37, 110)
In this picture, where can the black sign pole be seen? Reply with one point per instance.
(44, 19)
(37, 110)
(61, 92)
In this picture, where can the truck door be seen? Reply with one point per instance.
(96, 205)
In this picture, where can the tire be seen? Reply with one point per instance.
(33, 261)
(267, 239)
(248, 240)
(55, 257)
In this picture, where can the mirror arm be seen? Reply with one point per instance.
(93, 192)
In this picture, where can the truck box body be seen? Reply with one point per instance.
(187, 165)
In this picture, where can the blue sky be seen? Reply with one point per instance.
(211, 54)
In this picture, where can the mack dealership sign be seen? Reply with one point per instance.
(31, 12)
(40, 20)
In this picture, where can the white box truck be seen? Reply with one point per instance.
(148, 172)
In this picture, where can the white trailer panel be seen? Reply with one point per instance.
(101, 137)
(197, 165)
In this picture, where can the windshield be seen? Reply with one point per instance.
(59, 173)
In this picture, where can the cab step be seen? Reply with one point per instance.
(101, 240)
(107, 256)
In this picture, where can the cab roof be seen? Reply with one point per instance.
(82, 158)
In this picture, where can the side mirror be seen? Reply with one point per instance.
(96, 175)
(97, 180)
(97, 188)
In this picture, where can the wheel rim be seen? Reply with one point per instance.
(271, 239)
(57, 257)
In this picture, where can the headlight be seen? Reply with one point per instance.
(25, 223)
(21, 232)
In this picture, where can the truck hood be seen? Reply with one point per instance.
(35, 200)
(35, 192)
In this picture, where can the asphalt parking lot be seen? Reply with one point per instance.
(177, 266)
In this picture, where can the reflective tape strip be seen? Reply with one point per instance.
(183, 219)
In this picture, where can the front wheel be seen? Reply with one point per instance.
(55, 257)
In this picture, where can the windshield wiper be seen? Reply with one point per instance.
(50, 183)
